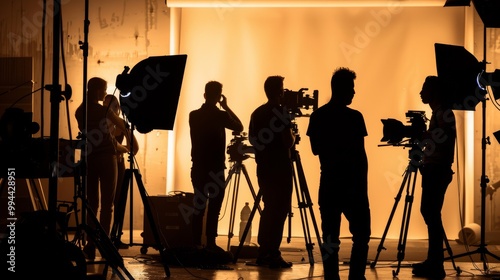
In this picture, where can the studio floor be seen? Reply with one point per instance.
(142, 262)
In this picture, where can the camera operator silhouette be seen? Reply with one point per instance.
(336, 135)
(270, 132)
(438, 152)
(102, 149)
(208, 148)
(112, 104)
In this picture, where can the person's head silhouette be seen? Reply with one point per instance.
(273, 86)
(213, 92)
(342, 85)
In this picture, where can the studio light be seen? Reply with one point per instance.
(497, 135)
(464, 77)
(149, 94)
(455, 3)
(467, 68)
(487, 10)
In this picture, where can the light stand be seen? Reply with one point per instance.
(149, 95)
(458, 78)
(482, 250)
(97, 234)
(55, 99)
(128, 182)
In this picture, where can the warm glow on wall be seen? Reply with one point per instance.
(392, 50)
(301, 3)
(389, 43)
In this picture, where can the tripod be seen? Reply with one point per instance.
(408, 184)
(236, 170)
(304, 201)
(128, 181)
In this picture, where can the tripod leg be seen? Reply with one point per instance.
(391, 216)
(307, 203)
(37, 196)
(235, 170)
(252, 190)
(116, 230)
(154, 228)
(406, 219)
(305, 228)
(249, 224)
(450, 253)
(104, 244)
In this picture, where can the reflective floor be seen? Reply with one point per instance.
(142, 262)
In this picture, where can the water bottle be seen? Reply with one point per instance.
(245, 216)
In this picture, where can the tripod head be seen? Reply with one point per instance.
(415, 153)
(295, 131)
(237, 150)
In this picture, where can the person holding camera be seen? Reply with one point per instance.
(208, 147)
(337, 135)
(271, 134)
(436, 169)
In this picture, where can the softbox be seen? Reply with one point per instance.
(149, 94)
(487, 10)
(460, 72)
(455, 3)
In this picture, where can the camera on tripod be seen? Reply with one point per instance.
(237, 150)
(18, 148)
(294, 101)
(395, 131)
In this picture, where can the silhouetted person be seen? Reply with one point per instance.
(111, 103)
(271, 135)
(101, 150)
(208, 148)
(337, 135)
(437, 173)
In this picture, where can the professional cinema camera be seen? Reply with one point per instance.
(237, 150)
(18, 148)
(395, 131)
(294, 101)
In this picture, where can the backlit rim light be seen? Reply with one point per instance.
(127, 94)
(478, 81)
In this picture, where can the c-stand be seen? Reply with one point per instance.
(408, 184)
(128, 181)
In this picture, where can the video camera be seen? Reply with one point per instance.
(237, 150)
(294, 101)
(395, 131)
